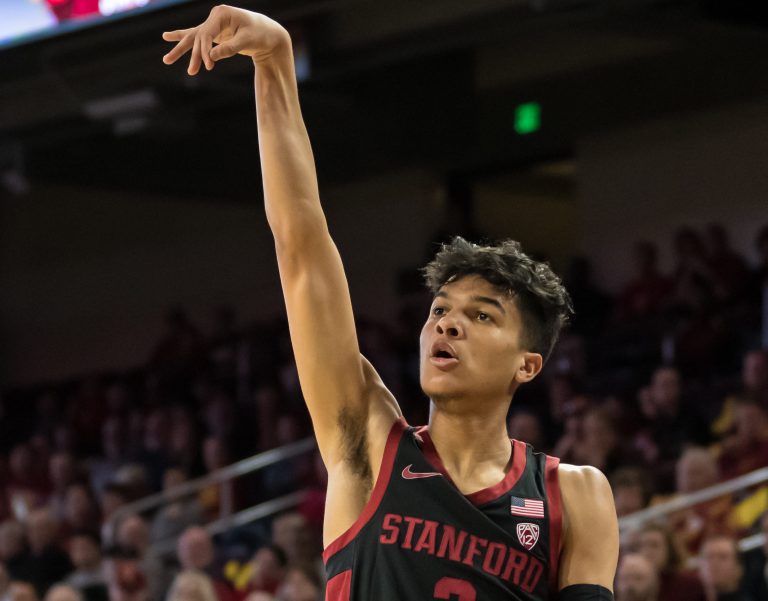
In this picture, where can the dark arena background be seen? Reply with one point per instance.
(154, 443)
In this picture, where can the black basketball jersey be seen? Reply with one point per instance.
(419, 538)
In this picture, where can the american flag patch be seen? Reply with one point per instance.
(530, 508)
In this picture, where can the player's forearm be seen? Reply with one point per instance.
(291, 196)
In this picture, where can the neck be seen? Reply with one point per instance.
(470, 443)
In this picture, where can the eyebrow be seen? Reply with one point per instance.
(479, 299)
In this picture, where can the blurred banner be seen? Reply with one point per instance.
(27, 20)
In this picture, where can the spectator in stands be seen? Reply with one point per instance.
(111, 499)
(217, 499)
(591, 305)
(647, 293)
(671, 424)
(25, 486)
(754, 387)
(631, 489)
(195, 551)
(133, 534)
(600, 445)
(658, 545)
(525, 425)
(561, 389)
(154, 454)
(47, 561)
(636, 579)
(312, 506)
(191, 585)
(20, 590)
(177, 354)
(184, 443)
(88, 575)
(729, 267)
(720, 569)
(114, 449)
(695, 470)
(267, 569)
(125, 579)
(302, 583)
(63, 592)
(573, 426)
(300, 543)
(746, 449)
(81, 511)
(61, 473)
(177, 515)
(13, 551)
(755, 572)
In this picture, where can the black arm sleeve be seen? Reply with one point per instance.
(585, 592)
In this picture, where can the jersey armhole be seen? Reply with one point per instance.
(385, 472)
(554, 504)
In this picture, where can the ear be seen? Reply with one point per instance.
(529, 367)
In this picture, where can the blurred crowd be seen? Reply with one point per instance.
(663, 386)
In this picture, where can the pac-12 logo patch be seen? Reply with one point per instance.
(528, 534)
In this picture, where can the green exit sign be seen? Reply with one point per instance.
(527, 118)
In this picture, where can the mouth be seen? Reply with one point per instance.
(443, 356)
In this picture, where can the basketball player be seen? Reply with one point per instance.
(455, 509)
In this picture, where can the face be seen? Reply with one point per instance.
(628, 499)
(21, 591)
(719, 565)
(653, 547)
(636, 579)
(83, 552)
(665, 388)
(297, 587)
(694, 471)
(62, 593)
(483, 328)
(755, 371)
(195, 549)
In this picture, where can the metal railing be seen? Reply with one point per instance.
(227, 521)
(662, 510)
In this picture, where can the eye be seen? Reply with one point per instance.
(483, 316)
(438, 311)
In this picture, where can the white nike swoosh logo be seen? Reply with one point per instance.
(409, 475)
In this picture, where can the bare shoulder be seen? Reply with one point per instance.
(582, 479)
(591, 534)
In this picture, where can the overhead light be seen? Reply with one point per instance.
(141, 101)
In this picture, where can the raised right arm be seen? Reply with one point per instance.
(351, 409)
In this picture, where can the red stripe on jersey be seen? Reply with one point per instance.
(387, 461)
(338, 587)
(555, 519)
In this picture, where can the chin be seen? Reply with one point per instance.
(442, 390)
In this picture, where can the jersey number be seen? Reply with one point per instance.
(446, 587)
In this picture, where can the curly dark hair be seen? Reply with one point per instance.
(541, 298)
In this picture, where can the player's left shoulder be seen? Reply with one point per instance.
(583, 479)
(586, 495)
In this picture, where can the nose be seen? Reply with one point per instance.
(448, 326)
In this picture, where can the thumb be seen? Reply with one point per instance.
(223, 50)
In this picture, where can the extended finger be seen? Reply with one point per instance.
(206, 42)
(174, 36)
(179, 49)
(194, 60)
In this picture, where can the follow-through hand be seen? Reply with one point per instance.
(233, 31)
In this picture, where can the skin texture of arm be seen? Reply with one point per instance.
(590, 547)
(351, 409)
